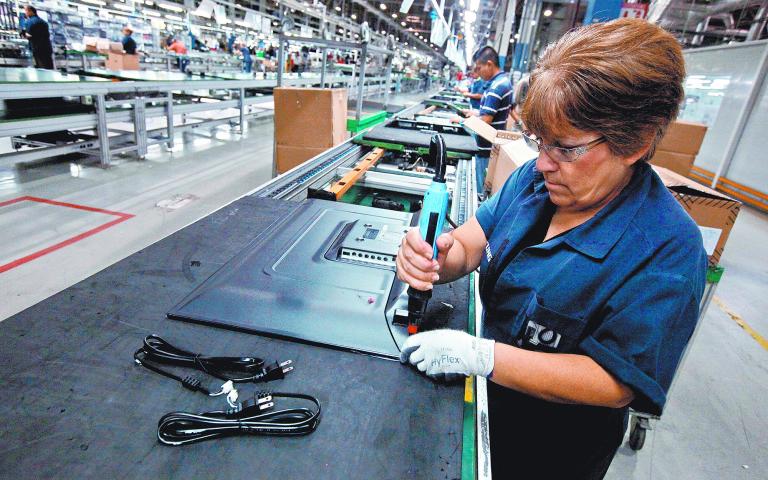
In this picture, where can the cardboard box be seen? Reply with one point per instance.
(102, 45)
(287, 157)
(498, 172)
(714, 212)
(683, 137)
(502, 138)
(310, 117)
(90, 44)
(677, 162)
(511, 156)
(116, 47)
(122, 61)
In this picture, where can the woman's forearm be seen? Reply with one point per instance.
(455, 265)
(558, 377)
(464, 255)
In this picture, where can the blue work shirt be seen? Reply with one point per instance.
(496, 101)
(129, 45)
(477, 86)
(622, 288)
(246, 54)
(40, 37)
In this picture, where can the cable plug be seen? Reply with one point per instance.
(260, 402)
(192, 383)
(275, 371)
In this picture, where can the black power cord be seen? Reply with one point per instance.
(155, 351)
(252, 417)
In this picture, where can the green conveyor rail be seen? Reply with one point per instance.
(398, 147)
(354, 125)
(469, 433)
(86, 53)
(358, 195)
(457, 107)
(714, 274)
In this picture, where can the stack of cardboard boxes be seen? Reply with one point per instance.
(308, 121)
(119, 60)
(679, 147)
(116, 58)
(508, 152)
(714, 212)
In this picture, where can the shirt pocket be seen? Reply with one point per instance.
(546, 330)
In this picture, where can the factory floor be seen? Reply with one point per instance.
(715, 425)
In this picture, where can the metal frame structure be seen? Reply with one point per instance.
(146, 99)
(364, 48)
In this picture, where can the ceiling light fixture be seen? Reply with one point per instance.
(173, 8)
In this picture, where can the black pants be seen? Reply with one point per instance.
(43, 59)
(535, 439)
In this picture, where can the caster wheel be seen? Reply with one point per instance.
(637, 437)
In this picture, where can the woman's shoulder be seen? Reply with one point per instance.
(670, 234)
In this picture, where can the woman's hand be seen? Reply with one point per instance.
(415, 265)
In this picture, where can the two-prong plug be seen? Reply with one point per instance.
(275, 371)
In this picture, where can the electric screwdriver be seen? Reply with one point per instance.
(433, 213)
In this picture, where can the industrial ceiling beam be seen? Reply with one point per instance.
(388, 20)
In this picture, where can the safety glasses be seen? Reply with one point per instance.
(560, 154)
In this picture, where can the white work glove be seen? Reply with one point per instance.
(447, 353)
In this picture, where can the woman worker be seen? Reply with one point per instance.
(590, 272)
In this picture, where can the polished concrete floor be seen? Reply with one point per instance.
(715, 425)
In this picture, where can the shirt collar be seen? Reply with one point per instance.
(495, 77)
(597, 236)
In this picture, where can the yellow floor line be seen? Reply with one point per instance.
(740, 322)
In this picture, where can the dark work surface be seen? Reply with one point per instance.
(420, 138)
(74, 405)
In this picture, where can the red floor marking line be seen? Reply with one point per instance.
(13, 200)
(20, 261)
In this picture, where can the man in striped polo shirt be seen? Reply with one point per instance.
(494, 106)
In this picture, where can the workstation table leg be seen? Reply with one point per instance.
(169, 116)
(241, 105)
(324, 53)
(140, 127)
(101, 131)
(361, 82)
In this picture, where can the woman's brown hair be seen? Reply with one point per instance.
(622, 79)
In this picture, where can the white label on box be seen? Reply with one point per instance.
(710, 236)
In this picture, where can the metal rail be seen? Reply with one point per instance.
(146, 99)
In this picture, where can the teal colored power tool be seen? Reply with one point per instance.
(433, 213)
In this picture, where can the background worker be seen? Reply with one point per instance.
(476, 89)
(178, 47)
(591, 273)
(519, 94)
(129, 44)
(495, 103)
(39, 36)
(247, 60)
